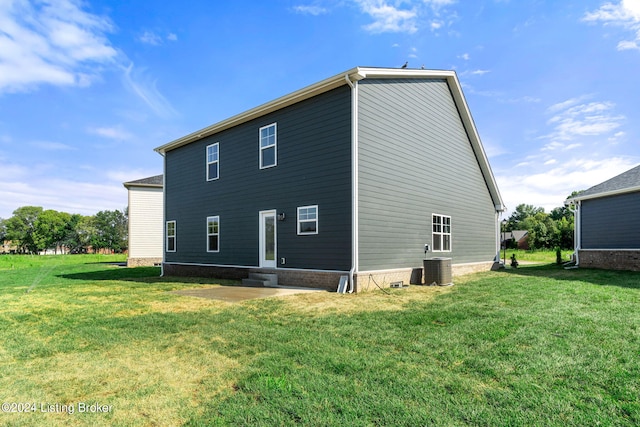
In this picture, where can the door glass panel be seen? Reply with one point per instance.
(269, 238)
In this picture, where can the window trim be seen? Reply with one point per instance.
(440, 235)
(167, 236)
(210, 219)
(217, 161)
(274, 145)
(299, 222)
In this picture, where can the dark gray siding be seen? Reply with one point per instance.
(313, 168)
(415, 159)
(611, 222)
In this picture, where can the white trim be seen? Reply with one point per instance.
(262, 262)
(355, 190)
(212, 218)
(608, 249)
(274, 145)
(316, 220)
(604, 194)
(442, 234)
(392, 270)
(217, 161)
(166, 235)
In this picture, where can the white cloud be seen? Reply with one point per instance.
(310, 10)
(51, 146)
(22, 185)
(388, 18)
(115, 132)
(573, 119)
(149, 37)
(553, 182)
(155, 39)
(60, 194)
(464, 56)
(54, 42)
(473, 73)
(146, 89)
(625, 14)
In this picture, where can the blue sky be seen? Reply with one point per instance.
(88, 89)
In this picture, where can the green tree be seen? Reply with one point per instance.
(111, 229)
(51, 229)
(3, 230)
(522, 212)
(21, 228)
(85, 233)
(72, 240)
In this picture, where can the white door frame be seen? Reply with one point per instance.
(268, 263)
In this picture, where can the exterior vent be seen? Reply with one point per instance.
(437, 271)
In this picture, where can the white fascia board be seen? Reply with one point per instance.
(476, 143)
(130, 185)
(277, 104)
(600, 195)
(325, 85)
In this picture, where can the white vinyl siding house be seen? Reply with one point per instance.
(145, 221)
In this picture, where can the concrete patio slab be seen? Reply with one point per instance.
(242, 293)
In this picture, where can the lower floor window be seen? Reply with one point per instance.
(213, 234)
(441, 233)
(308, 220)
(171, 236)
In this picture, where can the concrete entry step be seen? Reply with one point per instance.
(268, 280)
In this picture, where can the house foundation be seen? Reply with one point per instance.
(143, 262)
(363, 281)
(610, 259)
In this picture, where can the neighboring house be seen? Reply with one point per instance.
(361, 175)
(145, 221)
(519, 237)
(8, 247)
(607, 223)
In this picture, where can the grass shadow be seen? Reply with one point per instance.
(142, 275)
(619, 278)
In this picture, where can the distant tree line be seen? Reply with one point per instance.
(32, 229)
(544, 230)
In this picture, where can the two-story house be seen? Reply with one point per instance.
(362, 175)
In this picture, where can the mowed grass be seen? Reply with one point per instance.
(537, 345)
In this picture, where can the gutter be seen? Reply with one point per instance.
(354, 180)
(574, 206)
(164, 211)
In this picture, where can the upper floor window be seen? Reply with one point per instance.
(308, 220)
(213, 157)
(171, 236)
(441, 233)
(213, 234)
(268, 141)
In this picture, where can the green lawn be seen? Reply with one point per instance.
(537, 345)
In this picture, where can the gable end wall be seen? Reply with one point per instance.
(415, 159)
